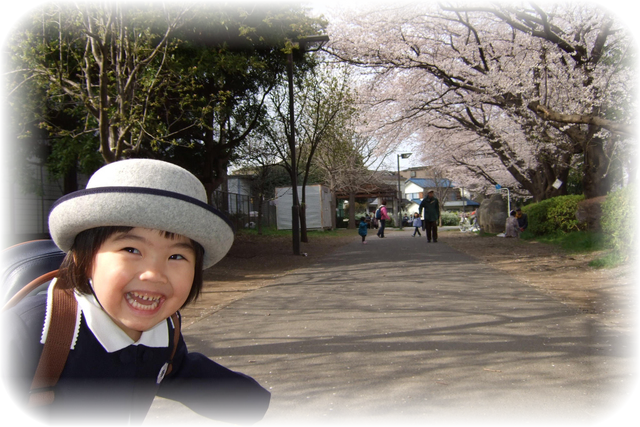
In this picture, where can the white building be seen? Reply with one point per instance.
(450, 197)
(318, 207)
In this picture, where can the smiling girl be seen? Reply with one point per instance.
(137, 239)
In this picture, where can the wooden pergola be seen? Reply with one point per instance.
(384, 191)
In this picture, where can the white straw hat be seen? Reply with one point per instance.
(143, 193)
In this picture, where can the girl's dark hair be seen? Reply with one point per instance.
(76, 266)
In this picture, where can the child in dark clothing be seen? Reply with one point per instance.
(362, 230)
(137, 240)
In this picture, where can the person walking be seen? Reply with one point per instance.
(383, 217)
(374, 221)
(362, 229)
(431, 207)
(417, 223)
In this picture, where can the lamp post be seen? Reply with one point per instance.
(404, 156)
(305, 44)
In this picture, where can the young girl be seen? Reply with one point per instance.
(362, 230)
(417, 223)
(137, 240)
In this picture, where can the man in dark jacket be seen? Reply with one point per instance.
(431, 208)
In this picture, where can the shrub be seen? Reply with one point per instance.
(554, 215)
(618, 219)
(537, 213)
(562, 213)
(449, 218)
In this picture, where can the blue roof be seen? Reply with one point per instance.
(431, 183)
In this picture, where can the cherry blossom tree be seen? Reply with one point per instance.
(498, 89)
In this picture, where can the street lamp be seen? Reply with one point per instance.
(404, 156)
(305, 44)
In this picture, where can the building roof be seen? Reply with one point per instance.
(430, 183)
(452, 203)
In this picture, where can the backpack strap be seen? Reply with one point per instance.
(175, 318)
(64, 309)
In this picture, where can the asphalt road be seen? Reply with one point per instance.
(402, 332)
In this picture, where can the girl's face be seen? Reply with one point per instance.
(142, 277)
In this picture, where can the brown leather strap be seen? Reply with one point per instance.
(175, 318)
(31, 286)
(56, 348)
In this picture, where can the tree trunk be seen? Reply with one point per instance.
(540, 183)
(304, 237)
(70, 183)
(597, 177)
(259, 224)
(352, 211)
(302, 212)
(334, 209)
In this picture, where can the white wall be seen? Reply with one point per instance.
(318, 203)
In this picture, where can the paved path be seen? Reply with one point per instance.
(402, 332)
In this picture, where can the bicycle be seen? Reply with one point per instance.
(466, 225)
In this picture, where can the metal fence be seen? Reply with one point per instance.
(28, 213)
(243, 210)
(28, 216)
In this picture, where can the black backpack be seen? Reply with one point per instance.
(27, 269)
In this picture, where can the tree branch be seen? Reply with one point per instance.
(548, 114)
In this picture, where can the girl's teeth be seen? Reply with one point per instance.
(154, 301)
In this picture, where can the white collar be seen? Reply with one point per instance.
(104, 329)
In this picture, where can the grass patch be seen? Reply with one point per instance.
(583, 242)
(609, 260)
(574, 242)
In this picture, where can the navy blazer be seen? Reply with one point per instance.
(120, 386)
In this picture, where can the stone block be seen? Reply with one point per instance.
(492, 214)
(590, 211)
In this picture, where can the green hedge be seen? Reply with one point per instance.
(618, 221)
(554, 215)
(450, 218)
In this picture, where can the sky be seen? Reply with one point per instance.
(320, 6)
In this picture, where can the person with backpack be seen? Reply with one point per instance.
(137, 241)
(383, 216)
